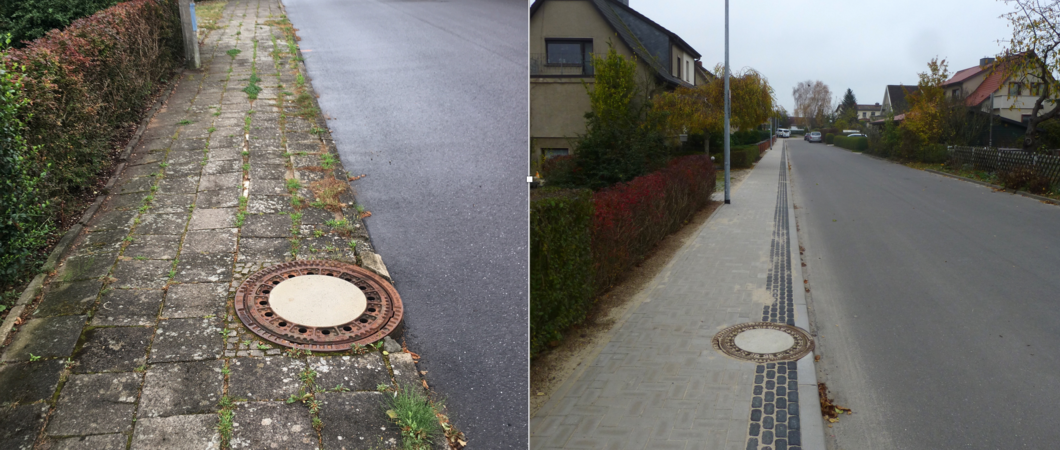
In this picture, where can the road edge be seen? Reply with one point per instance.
(812, 424)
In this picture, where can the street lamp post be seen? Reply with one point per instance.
(725, 130)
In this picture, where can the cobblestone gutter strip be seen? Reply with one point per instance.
(994, 186)
(60, 248)
(776, 421)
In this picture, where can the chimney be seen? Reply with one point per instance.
(986, 62)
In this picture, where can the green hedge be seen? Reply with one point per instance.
(743, 156)
(829, 138)
(858, 144)
(23, 228)
(561, 263)
(83, 84)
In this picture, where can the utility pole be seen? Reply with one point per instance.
(726, 128)
(190, 29)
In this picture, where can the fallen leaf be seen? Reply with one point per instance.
(425, 384)
(817, 357)
(390, 413)
(833, 420)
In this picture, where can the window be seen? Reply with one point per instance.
(554, 152)
(570, 53)
(1014, 88)
(1025, 118)
(957, 93)
(678, 74)
(1036, 89)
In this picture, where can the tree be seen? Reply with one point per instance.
(1033, 56)
(622, 141)
(813, 102)
(927, 106)
(702, 108)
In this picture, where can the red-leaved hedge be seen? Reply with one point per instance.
(631, 218)
(86, 81)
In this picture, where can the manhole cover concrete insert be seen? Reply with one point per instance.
(318, 305)
(763, 341)
(317, 300)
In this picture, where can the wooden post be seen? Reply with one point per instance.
(191, 41)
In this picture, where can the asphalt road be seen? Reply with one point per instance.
(936, 301)
(429, 99)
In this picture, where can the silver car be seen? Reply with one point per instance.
(814, 137)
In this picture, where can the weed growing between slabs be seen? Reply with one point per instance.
(416, 416)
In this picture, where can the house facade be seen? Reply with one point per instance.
(564, 34)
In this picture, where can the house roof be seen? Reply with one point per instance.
(897, 92)
(988, 86)
(962, 75)
(897, 118)
(875, 107)
(636, 31)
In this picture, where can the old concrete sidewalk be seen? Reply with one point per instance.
(132, 341)
(657, 383)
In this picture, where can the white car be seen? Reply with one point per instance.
(783, 132)
(856, 135)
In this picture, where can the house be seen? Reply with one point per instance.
(1006, 97)
(966, 81)
(563, 36)
(894, 99)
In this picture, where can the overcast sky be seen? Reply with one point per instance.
(859, 45)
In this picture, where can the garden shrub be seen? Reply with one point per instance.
(933, 154)
(23, 229)
(829, 138)
(558, 170)
(857, 144)
(561, 263)
(743, 156)
(631, 218)
(86, 82)
(26, 20)
(1017, 178)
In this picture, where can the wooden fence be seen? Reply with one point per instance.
(1004, 160)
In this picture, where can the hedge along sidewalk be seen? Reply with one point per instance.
(34, 288)
(134, 340)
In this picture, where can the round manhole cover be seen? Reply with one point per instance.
(318, 305)
(763, 342)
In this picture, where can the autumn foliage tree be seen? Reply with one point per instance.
(927, 106)
(813, 102)
(702, 109)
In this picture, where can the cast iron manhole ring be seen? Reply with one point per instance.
(350, 318)
(778, 342)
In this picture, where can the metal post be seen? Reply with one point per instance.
(991, 125)
(188, 26)
(726, 128)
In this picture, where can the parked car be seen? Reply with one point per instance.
(783, 132)
(856, 135)
(814, 137)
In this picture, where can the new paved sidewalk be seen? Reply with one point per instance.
(133, 342)
(657, 383)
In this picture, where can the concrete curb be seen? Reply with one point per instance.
(983, 183)
(812, 424)
(64, 243)
(369, 259)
